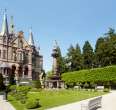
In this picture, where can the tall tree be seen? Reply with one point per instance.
(77, 58)
(74, 58)
(61, 62)
(111, 45)
(105, 50)
(99, 52)
(88, 55)
(70, 58)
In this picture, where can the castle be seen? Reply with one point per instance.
(18, 57)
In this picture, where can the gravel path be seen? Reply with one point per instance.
(108, 103)
(5, 105)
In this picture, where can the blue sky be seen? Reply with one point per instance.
(67, 21)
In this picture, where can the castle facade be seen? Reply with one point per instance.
(18, 56)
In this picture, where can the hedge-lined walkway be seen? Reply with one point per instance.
(5, 105)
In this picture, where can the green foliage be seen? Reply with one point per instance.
(49, 73)
(105, 49)
(36, 84)
(61, 62)
(12, 89)
(20, 92)
(105, 74)
(74, 58)
(106, 90)
(32, 103)
(86, 85)
(88, 55)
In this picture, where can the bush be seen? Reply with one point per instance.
(36, 84)
(32, 103)
(106, 90)
(86, 85)
(20, 92)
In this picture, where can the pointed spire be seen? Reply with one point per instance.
(11, 25)
(4, 30)
(31, 41)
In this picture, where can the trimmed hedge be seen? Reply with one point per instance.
(105, 74)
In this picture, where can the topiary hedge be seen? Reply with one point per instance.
(106, 74)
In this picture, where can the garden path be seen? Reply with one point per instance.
(5, 105)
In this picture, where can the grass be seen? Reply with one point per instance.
(54, 98)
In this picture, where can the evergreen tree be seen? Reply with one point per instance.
(70, 58)
(74, 58)
(99, 52)
(61, 63)
(105, 50)
(111, 46)
(88, 55)
(77, 58)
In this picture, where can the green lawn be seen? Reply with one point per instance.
(53, 98)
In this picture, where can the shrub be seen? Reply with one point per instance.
(36, 84)
(20, 92)
(32, 103)
(106, 90)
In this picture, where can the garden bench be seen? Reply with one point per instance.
(101, 88)
(92, 104)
